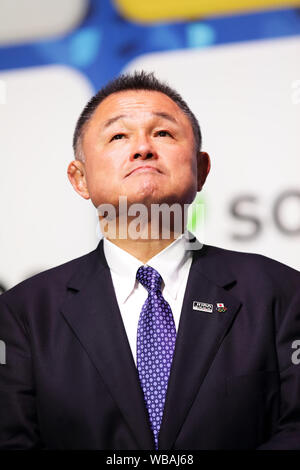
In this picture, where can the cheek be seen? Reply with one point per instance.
(184, 164)
(104, 168)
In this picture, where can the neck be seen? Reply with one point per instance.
(143, 250)
(143, 245)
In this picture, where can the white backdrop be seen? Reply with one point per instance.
(43, 221)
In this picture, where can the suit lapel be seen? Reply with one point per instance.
(92, 312)
(198, 340)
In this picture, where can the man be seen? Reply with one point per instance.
(149, 342)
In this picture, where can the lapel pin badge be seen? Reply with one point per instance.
(221, 307)
(202, 306)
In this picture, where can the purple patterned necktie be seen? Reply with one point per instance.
(156, 336)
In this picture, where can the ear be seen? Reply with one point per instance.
(76, 175)
(203, 167)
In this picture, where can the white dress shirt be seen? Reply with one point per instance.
(173, 264)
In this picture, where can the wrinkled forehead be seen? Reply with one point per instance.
(139, 104)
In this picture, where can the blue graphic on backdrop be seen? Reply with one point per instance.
(105, 41)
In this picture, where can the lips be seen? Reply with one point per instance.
(143, 168)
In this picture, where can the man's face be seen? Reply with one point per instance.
(140, 128)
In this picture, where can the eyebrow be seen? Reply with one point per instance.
(163, 115)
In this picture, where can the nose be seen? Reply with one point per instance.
(148, 155)
(143, 149)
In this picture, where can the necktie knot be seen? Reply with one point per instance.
(149, 278)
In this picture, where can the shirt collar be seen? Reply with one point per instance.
(169, 263)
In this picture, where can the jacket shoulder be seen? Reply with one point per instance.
(52, 279)
(255, 267)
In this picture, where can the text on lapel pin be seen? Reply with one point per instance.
(202, 307)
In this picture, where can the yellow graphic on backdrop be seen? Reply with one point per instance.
(162, 10)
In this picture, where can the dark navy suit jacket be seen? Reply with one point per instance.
(70, 381)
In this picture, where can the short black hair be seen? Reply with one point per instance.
(136, 81)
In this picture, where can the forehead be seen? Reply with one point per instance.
(138, 103)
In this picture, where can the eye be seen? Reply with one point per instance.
(163, 133)
(117, 137)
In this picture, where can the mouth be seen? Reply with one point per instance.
(143, 169)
